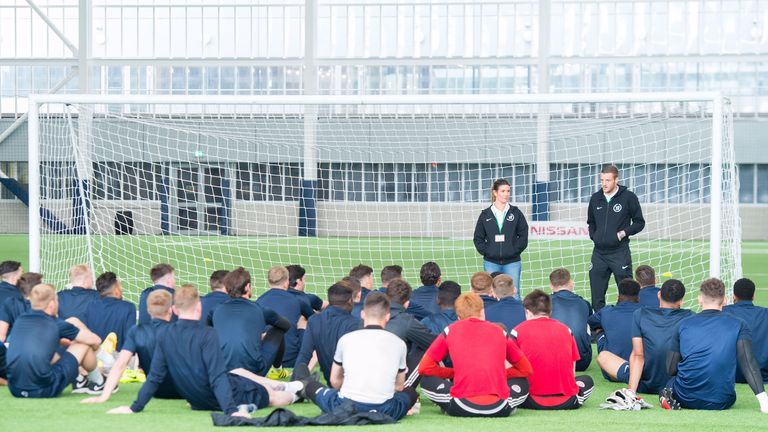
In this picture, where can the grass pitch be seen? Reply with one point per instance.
(67, 414)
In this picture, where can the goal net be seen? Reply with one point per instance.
(208, 183)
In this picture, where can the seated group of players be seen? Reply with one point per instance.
(478, 353)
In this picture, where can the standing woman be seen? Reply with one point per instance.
(501, 234)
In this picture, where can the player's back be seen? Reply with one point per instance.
(649, 296)
(508, 311)
(657, 327)
(209, 303)
(239, 324)
(73, 302)
(142, 341)
(756, 318)
(616, 322)
(325, 330)
(12, 309)
(111, 315)
(707, 344)
(291, 308)
(423, 302)
(436, 323)
(144, 316)
(573, 310)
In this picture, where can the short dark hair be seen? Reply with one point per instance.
(159, 271)
(9, 267)
(744, 289)
(610, 169)
(376, 305)
(447, 293)
(672, 291)
(399, 291)
(538, 302)
(360, 271)
(390, 273)
(559, 277)
(340, 294)
(27, 281)
(236, 281)
(352, 283)
(105, 283)
(216, 280)
(629, 288)
(430, 273)
(295, 272)
(645, 275)
(713, 288)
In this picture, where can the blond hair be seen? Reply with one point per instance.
(277, 276)
(186, 297)
(78, 272)
(41, 295)
(481, 282)
(159, 303)
(503, 285)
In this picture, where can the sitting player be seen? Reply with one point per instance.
(614, 344)
(213, 299)
(756, 318)
(14, 306)
(73, 302)
(508, 311)
(447, 294)
(325, 329)
(296, 284)
(476, 385)
(287, 305)
(251, 336)
(110, 314)
(652, 331)
(37, 367)
(417, 338)
(368, 368)
(388, 274)
(424, 298)
(572, 310)
(10, 272)
(703, 356)
(481, 284)
(189, 353)
(163, 277)
(364, 275)
(141, 340)
(552, 352)
(645, 275)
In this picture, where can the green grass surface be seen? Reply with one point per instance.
(67, 414)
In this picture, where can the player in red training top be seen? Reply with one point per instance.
(552, 351)
(477, 385)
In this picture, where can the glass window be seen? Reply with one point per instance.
(746, 183)
(762, 183)
(437, 182)
(388, 183)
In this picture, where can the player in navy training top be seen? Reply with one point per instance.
(447, 294)
(73, 302)
(364, 275)
(572, 310)
(615, 322)
(111, 314)
(756, 318)
(645, 275)
(481, 283)
(189, 353)
(163, 277)
(240, 324)
(652, 331)
(10, 272)
(213, 299)
(424, 298)
(14, 306)
(297, 283)
(278, 299)
(35, 368)
(326, 328)
(141, 340)
(508, 310)
(702, 354)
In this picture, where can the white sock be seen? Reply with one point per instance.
(96, 377)
(293, 387)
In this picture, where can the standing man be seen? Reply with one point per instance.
(613, 215)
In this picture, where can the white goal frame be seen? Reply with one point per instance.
(717, 100)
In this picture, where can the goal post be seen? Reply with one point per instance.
(207, 182)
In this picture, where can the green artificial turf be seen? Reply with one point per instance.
(67, 414)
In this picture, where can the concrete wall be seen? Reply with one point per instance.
(454, 220)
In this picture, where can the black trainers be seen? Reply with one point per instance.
(667, 400)
(89, 387)
(80, 384)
